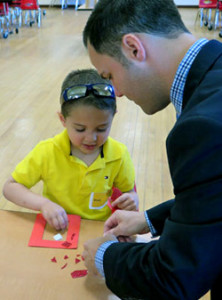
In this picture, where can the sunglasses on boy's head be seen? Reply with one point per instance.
(83, 90)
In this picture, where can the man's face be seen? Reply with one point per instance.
(139, 81)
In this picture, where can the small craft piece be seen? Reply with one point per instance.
(54, 260)
(72, 237)
(77, 260)
(79, 273)
(63, 267)
(36, 239)
(66, 257)
(66, 244)
(58, 237)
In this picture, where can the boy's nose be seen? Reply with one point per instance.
(91, 137)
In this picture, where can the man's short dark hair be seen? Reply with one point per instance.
(112, 19)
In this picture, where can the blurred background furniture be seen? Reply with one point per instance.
(209, 14)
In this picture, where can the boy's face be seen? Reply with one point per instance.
(88, 127)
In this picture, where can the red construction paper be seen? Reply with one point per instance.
(36, 239)
(79, 273)
(116, 194)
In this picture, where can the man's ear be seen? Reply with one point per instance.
(133, 47)
(61, 118)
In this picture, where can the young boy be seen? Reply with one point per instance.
(79, 166)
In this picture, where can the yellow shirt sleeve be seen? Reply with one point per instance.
(31, 169)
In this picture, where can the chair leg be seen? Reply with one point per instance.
(39, 16)
(216, 21)
(76, 4)
(197, 17)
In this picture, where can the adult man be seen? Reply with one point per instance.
(150, 56)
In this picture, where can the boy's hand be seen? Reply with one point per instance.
(55, 215)
(127, 201)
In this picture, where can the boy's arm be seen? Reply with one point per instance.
(17, 193)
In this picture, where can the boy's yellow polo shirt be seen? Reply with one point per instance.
(69, 182)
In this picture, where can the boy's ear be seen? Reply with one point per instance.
(61, 118)
(133, 47)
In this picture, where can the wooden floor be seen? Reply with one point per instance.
(33, 64)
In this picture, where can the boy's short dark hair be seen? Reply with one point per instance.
(111, 20)
(86, 76)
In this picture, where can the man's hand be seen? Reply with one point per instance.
(125, 224)
(90, 249)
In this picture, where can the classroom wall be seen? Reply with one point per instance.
(58, 2)
(72, 2)
(187, 2)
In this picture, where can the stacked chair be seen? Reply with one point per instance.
(210, 14)
(5, 20)
(15, 13)
(32, 12)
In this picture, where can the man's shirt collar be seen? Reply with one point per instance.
(177, 89)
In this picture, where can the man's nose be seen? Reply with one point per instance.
(117, 93)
